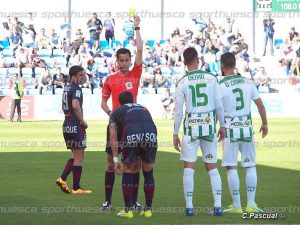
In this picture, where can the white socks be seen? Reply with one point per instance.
(234, 187)
(216, 186)
(188, 186)
(251, 182)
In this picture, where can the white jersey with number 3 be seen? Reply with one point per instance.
(238, 94)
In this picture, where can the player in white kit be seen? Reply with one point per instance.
(238, 93)
(200, 92)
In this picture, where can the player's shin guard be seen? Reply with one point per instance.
(251, 183)
(188, 186)
(127, 188)
(136, 181)
(149, 187)
(77, 170)
(216, 186)
(109, 185)
(67, 169)
(234, 187)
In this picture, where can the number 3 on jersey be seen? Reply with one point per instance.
(196, 94)
(239, 98)
(65, 101)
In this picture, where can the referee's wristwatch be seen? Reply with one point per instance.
(137, 28)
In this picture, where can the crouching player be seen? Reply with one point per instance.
(138, 141)
(74, 131)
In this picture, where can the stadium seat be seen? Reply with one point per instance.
(13, 70)
(278, 42)
(165, 70)
(177, 70)
(125, 42)
(44, 53)
(32, 91)
(58, 91)
(27, 72)
(59, 62)
(161, 90)
(29, 83)
(114, 44)
(10, 60)
(104, 44)
(7, 53)
(151, 43)
(102, 71)
(3, 72)
(39, 71)
(162, 42)
(100, 61)
(58, 53)
(6, 91)
(65, 70)
(148, 91)
(49, 61)
(5, 44)
(108, 52)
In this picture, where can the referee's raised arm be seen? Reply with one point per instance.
(139, 43)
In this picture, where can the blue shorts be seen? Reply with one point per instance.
(74, 135)
(138, 144)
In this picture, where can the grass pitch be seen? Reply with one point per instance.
(32, 156)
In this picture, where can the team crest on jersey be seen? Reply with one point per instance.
(129, 85)
(78, 93)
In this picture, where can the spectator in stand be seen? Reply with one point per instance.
(17, 24)
(159, 79)
(91, 72)
(95, 48)
(109, 28)
(15, 40)
(296, 64)
(22, 59)
(54, 41)
(201, 26)
(262, 80)
(268, 23)
(95, 28)
(68, 50)
(175, 36)
(28, 38)
(30, 24)
(148, 57)
(168, 104)
(204, 66)
(42, 40)
(59, 80)
(45, 82)
(229, 25)
(36, 61)
(160, 58)
(293, 33)
(173, 56)
(79, 39)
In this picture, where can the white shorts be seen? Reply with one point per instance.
(231, 150)
(190, 148)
